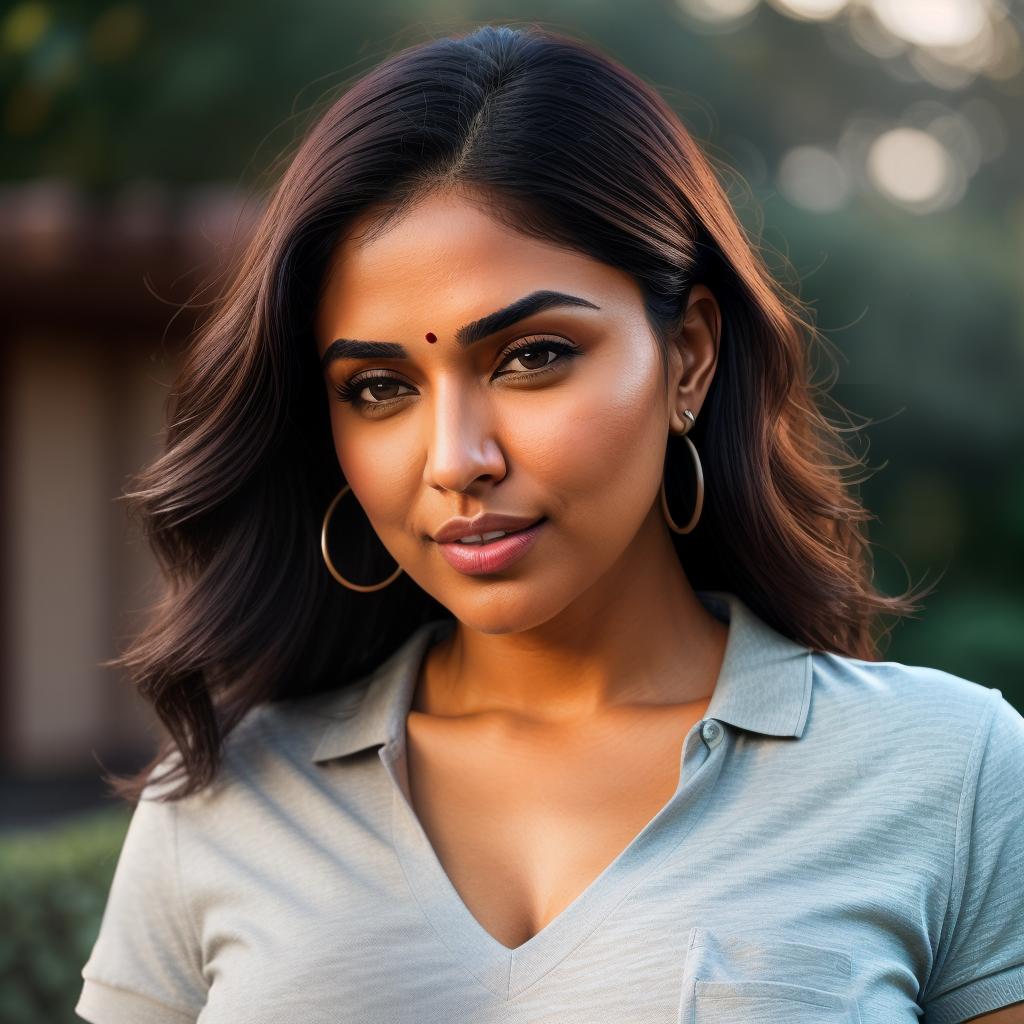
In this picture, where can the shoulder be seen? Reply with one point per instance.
(922, 729)
(270, 750)
(893, 697)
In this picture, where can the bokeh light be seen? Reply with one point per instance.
(946, 43)
(810, 10)
(719, 13)
(814, 178)
(933, 22)
(912, 167)
(24, 25)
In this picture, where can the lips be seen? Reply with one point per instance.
(489, 522)
(494, 555)
(486, 541)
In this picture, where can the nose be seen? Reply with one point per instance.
(461, 446)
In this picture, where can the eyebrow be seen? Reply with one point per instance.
(469, 334)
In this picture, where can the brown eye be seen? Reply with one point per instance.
(536, 357)
(369, 391)
(380, 390)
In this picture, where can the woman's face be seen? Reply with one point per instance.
(562, 414)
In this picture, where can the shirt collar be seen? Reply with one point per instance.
(764, 684)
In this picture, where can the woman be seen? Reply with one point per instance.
(518, 662)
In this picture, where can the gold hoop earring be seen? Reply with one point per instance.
(698, 469)
(364, 589)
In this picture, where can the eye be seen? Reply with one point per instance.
(533, 356)
(379, 389)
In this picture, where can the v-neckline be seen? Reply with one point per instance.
(506, 972)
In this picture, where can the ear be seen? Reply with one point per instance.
(695, 356)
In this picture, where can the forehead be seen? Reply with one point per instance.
(442, 263)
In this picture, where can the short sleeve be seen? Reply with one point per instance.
(979, 965)
(146, 963)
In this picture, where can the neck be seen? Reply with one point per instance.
(639, 635)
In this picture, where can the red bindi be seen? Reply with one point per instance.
(431, 337)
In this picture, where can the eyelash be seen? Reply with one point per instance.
(350, 390)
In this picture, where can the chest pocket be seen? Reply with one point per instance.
(742, 977)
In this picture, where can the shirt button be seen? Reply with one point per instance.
(711, 731)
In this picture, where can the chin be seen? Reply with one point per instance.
(506, 608)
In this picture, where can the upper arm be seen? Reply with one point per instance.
(146, 963)
(979, 964)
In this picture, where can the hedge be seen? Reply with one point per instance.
(55, 882)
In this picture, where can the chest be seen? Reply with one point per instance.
(324, 893)
(523, 822)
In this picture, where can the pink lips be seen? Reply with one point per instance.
(492, 556)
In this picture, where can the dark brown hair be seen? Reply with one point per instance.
(562, 144)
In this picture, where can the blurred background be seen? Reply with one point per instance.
(873, 148)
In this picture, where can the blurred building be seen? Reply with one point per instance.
(92, 335)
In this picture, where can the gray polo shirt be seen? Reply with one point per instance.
(845, 844)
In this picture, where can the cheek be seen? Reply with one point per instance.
(380, 472)
(598, 450)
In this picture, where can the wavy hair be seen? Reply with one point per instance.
(565, 145)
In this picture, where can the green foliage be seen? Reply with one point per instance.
(55, 886)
